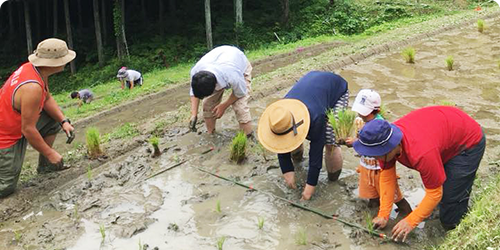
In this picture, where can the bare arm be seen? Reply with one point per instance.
(195, 103)
(131, 85)
(28, 97)
(53, 109)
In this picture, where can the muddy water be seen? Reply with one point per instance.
(178, 209)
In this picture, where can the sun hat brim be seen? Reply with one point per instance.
(382, 149)
(52, 62)
(284, 143)
(361, 109)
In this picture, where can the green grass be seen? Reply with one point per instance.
(409, 54)
(238, 147)
(93, 143)
(89, 173)
(17, 236)
(480, 25)
(76, 216)
(450, 62)
(480, 229)
(220, 242)
(155, 142)
(342, 123)
(260, 222)
(301, 237)
(369, 222)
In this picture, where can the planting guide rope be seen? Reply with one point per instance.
(316, 211)
(313, 210)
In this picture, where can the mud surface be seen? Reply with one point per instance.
(179, 209)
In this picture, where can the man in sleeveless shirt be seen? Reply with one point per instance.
(28, 113)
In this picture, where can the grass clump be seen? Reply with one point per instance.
(369, 222)
(220, 242)
(17, 236)
(447, 103)
(342, 124)
(480, 228)
(154, 142)
(238, 147)
(260, 222)
(301, 237)
(480, 25)
(409, 54)
(93, 143)
(450, 62)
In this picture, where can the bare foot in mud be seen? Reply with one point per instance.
(290, 180)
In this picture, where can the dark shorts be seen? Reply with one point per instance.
(460, 174)
(11, 159)
(137, 83)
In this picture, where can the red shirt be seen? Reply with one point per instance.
(431, 137)
(10, 119)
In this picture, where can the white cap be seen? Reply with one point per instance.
(366, 101)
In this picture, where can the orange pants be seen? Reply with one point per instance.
(369, 187)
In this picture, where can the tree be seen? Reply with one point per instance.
(68, 32)
(27, 23)
(97, 23)
(239, 11)
(104, 22)
(160, 17)
(10, 4)
(55, 13)
(119, 28)
(208, 25)
(285, 6)
(171, 12)
(38, 23)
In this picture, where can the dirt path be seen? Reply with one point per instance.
(133, 210)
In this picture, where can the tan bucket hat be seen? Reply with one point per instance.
(284, 125)
(52, 52)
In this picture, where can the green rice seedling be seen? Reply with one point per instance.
(220, 242)
(17, 236)
(342, 124)
(383, 111)
(93, 143)
(369, 222)
(409, 54)
(217, 207)
(102, 230)
(450, 62)
(141, 247)
(447, 103)
(154, 142)
(238, 147)
(301, 237)
(89, 173)
(75, 212)
(480, 25)
(498, 64)
(260, 222)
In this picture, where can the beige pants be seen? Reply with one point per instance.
(240, 107)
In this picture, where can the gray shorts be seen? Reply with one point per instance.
(340, 105)
(12, 158)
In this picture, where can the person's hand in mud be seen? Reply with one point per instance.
(401, 230)
(219, 110)
(379, 222)
(290, 180)
(349, 141)
(308, 192)
(54, 158)
(192, 123)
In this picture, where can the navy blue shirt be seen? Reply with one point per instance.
(319, 91)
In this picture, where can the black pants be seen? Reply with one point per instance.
(460, 174)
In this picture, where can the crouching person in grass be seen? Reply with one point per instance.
(85, 96)
(129, 78)
(367, 104)
(301, 115)
(28, 113)
(443, 144)
(225, 67)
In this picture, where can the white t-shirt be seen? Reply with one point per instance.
(228, 64)
(132, 75)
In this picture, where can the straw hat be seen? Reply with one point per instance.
(52, 52)
(284, 125)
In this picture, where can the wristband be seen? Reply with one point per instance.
(65, 120)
